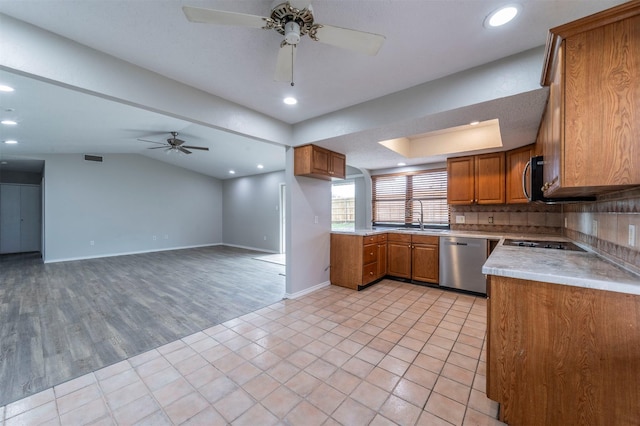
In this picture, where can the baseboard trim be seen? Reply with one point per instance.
(69, 259)
(250, 248)
(307, 290)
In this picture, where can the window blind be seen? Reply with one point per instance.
(391, 195)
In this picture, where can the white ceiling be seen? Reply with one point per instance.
(425, 40)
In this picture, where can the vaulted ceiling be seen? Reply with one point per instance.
(439, 67)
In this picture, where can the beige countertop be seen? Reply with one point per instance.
(581, 269)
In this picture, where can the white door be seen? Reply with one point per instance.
(9, 218)
(30, 218)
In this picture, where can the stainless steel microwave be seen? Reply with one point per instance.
(533, 181)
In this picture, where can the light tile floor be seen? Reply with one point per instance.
(394, 353)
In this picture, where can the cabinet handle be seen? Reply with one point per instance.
(370, 273)
(371, 254)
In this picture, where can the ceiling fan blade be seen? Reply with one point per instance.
(144, 140)
(358, 41)
(159, 147)
(181, 149)
(202, 148)
(219, 17)
(175, 141)
(284, 64)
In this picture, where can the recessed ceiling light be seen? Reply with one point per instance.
(290, 100)
(474, 123)
(260, 166)
(501, 16)
(402, 164)
(10, 142)
(3, 162)
(4, 88)
(9, 122)
(232, 172)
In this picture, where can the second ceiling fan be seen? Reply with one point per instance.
(293, 19)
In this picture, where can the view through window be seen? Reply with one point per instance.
(343, 206)
(395, 198)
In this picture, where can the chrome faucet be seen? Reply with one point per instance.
(421, 212)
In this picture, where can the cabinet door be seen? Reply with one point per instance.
(516, 160)
(553, 126)
(382, 259)
(399, 259)
(321, 161)
(338, 165)
(489, 178)
(602, 106)
(425, 263)
(460, 180)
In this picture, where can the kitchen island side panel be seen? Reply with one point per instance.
(560, 355)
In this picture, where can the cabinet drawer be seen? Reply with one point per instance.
(426, 239)
(370, 239)
(369, 273)
(399, 238)
(382, 238)
(369, 253)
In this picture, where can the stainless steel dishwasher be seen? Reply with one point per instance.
(461, 260)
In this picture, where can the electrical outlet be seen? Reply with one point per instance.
(594, 228)
(566, 222)
(490, 218)
(460, 219)
(632, 235)
(91, 242)
(315, 219)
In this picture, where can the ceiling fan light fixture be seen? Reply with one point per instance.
(9, 122)
(292, 32)
(232, 172)
(290, 100)
(502, 16)
(260, 166)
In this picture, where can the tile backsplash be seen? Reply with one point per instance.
(604, 226)
(530, 218)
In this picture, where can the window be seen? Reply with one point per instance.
(343, 206)
(392, 192)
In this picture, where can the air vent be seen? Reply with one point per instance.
(93, 158)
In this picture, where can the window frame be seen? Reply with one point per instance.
(411, 212)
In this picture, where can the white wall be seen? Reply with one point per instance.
(121, 203)
(307, 241)
(251, 211)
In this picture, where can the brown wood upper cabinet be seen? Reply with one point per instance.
(516, 160)
(317, 162)
(476, 179)
(591, 129)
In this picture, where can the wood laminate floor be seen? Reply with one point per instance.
(62, 320)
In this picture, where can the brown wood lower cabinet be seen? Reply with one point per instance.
(399, 255)
(357, 261)
(413, 257)
(562, 355)
(425, 253)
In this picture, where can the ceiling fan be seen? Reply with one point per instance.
(173, 144)
(293, 19)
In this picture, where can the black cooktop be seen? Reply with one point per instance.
(556, 245)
